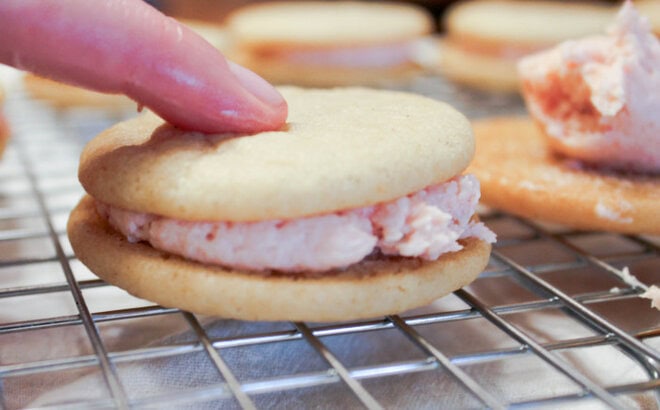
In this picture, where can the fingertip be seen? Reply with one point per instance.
(257, 86)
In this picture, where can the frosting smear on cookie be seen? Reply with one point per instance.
(598, 98)
(425, 224)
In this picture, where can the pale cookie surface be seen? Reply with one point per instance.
(340, 149)
(62, 95)
(316, 23)
(520, 175)
(373, 287)
(526, 22)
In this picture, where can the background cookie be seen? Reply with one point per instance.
(329, 24)
(484, 39)
(266, 35)
(62, 95)
(370, 288)
(367, 151)
(518, 174)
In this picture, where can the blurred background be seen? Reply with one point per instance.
(216, 10)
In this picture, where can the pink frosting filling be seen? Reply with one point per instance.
(425, 224)
(599, 97)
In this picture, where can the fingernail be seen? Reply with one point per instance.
(256, 85)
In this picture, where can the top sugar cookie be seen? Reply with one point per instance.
(315, 24)
(340, 149)
(534, 23)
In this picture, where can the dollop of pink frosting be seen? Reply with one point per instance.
(425, 224)
(598, 98)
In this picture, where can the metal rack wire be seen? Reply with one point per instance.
(551, 323)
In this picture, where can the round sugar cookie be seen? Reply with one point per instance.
(374, 287)
(65, 96)
(519, 174)
(341, 148)
(314, 24)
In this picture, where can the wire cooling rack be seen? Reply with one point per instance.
(551, 323)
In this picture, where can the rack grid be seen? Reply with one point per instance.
(551, 323)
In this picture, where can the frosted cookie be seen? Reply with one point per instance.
(4, 128)
(519, 174)
(594, 102)
(357, 208)
(485, 39)
(62, 95)
(597, 99)
(317, 43)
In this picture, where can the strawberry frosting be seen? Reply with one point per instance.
(652, 293)
(425, 224)
(598, 98)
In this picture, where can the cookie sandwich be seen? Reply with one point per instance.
(485, 39)
(316, 43)
(356, 208)
(589, 157)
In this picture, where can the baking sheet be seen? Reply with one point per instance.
(68, 340)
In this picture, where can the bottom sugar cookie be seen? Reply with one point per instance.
(520, 175)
